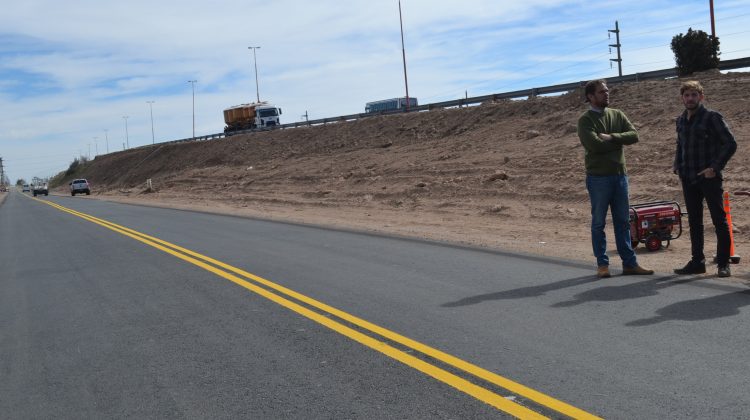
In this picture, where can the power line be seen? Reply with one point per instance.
(733, 33)
(39, 158)
(629, 35)
(732, 17)
(734, 51)
(668, 45)
(694, 24)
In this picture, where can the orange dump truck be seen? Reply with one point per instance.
(251, 116)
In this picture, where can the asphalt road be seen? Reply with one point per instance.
(291, 321)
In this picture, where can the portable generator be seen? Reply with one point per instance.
(655, 223)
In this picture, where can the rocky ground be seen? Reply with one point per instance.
(505, 175)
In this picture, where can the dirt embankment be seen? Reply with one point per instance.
(507, 174)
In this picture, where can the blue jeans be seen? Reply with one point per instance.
(610, 192)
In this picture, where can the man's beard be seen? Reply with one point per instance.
(692, 106)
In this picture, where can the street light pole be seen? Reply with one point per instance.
(193, 82)
(151, 107)
(127, 139)
(403, 52)
(255, 61)
(96, 147)
(106, 139)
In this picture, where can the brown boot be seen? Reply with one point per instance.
(603, 272)
(636, 271)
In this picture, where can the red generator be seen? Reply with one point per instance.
(654, 223)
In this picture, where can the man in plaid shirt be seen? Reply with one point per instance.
(704, 146)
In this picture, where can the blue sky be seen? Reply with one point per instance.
(70, 71)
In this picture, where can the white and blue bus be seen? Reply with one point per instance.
(389, 104)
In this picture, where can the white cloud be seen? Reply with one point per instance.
(84, 64)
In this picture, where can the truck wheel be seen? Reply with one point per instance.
(88, 192)
(73, 193)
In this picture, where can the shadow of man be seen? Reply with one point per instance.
(627, 291)
(521, 293)
(699, 309)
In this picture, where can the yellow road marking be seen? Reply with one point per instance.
(457, 382)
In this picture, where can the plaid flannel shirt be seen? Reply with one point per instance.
(703, 141)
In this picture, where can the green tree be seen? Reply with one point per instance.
(75, 164)
(695, 51)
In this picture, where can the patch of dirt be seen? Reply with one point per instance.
(505, 174)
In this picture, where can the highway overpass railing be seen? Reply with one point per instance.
(524, 93)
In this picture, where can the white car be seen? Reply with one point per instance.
(40, 189)
(26, 188)
(79, 186)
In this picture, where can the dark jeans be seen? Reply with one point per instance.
(712, 191)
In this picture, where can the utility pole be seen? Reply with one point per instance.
(151, 107)
(617, 45)
(306, 117)
(2, 175)
(403, 53)
(127, 138)
(255, 61)
(713, 26)
(193, 82)
(106, 139)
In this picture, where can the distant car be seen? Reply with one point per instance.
(40, 189)
(79, 186)
(26, 188)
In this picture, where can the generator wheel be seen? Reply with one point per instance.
(653, 243)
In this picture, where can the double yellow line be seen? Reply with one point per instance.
(281, 295)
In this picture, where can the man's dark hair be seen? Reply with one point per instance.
(591, 86)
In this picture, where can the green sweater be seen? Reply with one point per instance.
(605, 157)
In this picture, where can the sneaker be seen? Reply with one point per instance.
(692, 267)
(725, 271)
(603, 272)
(635, 271)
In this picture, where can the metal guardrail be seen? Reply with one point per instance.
(532, 92)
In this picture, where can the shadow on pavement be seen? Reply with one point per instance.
(637, 290)
(720, 306)
(644, 288)
(727, 304)
(523, 292)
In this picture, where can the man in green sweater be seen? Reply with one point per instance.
(603, 133)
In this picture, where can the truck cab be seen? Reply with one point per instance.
(267, 116)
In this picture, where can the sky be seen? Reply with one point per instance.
(71, 71)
